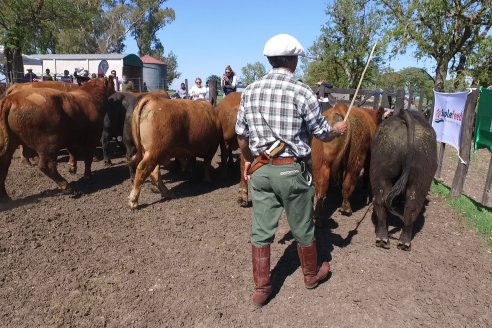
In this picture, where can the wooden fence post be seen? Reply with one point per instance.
(400, 101)
(421, 100)
(488, 182)
(212, 91)
(465, 142)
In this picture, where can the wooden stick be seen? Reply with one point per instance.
(360, 82)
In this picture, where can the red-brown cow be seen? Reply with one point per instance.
(227, 115)
(344, 157)
(47, 120)
(63, 86)
(165, 128)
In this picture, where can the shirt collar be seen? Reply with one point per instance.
(281, 70)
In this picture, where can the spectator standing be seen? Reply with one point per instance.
(66, 77)
(30, 76)
(116, 80)
(182, 92)
(229, 81)
(144, 87)
(81, 79)
(47, 76)
(207, 94)
(127, 85)
(198, 91)
(278, 109)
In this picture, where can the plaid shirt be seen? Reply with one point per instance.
(279, 107)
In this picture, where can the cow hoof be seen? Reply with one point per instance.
(404, 246)
(26, 161)
(133, 205)
(72, 169)
(76, 194)
(383, 243)
(154, 189)
(346, 212)
(242, 201)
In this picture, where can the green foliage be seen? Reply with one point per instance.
(252, 72)
(441, 29)
(340, 54)
(476, 214)
(480, 64)
(172, 66)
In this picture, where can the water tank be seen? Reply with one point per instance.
(154, 73)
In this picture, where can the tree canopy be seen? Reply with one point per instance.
(340, 54)
(448, 31)
(83, 26)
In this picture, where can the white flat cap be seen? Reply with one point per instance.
(283, 45)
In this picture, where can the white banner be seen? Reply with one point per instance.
(448, 115)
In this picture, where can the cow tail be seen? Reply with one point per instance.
(137, 114)
(401, 183)
(4, 133)
(336, 174)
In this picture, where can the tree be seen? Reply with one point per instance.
(440, 29)
(479, 64)
(146, 18)
(31, 25)
(417, 79)
(172, 66)
(253, 72)
(340, 54)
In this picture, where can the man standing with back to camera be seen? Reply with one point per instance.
(278, 110)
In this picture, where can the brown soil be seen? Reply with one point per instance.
(93, 262)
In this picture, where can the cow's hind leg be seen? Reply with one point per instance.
(144, 168)
(5, 161)
(348, 186)
(410, 214)
(47, 165)
(156, 179)
(243, 184)
(380, 216)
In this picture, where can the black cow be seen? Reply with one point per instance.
(403, 162)
(117, 122)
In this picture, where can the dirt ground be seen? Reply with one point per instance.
(93, 262)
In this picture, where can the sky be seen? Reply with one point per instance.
(206, 36)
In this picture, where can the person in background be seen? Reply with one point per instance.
(207, 94)
(127, 85)
(30, 76)
(115, 80)
(47, 76)
(322, 85)
(144, 87)
(66, 77)
(198, 91)
(81, 79)
(229, 81)
(93, 76)
(278, 109)
(182, 92)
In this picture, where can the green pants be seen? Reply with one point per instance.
(277, 187)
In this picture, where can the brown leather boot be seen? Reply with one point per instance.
(309, 264)
(261, 274)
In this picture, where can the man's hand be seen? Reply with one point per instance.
(247, 166)
(340, 127)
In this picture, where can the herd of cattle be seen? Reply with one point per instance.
(397, 155)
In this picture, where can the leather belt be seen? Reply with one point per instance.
(262, 159)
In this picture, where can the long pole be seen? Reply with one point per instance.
(360, 82)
